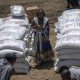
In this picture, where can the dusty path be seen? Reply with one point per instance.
(53, 9)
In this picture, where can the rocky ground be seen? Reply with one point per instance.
(53, 9)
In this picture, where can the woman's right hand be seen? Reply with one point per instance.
(35, 26)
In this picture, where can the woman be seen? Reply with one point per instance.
(42, 44)
(6, 66)
(72, 4)
(71, 73)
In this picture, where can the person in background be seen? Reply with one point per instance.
(6, 66)
(42, 45)
(72, 4)
(72, 73)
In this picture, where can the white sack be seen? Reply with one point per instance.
(73, 55)
(17, 29)
(72, 11)
(22, 70)
(11, 35)
(21, 64)
(17, 10)
(17, 21)
(17, 45)
(70, 30)
(62, 25)
(21, 67)
(70, 34)
(66, 62)
(1, 21)
(5, 51)
(68, 42)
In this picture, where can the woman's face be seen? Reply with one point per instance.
(40, 15)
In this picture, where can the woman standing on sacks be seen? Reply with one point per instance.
(42, 46)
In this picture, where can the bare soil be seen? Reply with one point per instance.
(53, 9)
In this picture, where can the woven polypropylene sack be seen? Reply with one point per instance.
(17, 45)
(65, 62)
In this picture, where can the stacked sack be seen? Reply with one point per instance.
(67, 46)
(14, 31)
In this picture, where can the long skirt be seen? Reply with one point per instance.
(43, 49)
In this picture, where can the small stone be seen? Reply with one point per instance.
(47, 79)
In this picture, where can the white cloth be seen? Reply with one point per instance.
(75, 72)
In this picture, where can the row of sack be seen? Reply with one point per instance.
(66, 62)
(17, 15)
(69, 14)
(16, 32)
(67, 48)
(69, 28)
(15, 29)
(65, 22)
(69, 36)
(14, 38)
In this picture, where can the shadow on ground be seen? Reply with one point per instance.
(45, 65)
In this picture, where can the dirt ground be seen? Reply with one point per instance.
(53, 9)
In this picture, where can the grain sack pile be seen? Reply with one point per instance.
(67, 46)
(14, 31)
